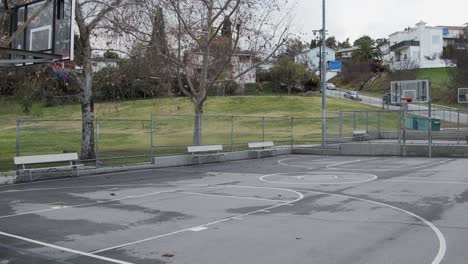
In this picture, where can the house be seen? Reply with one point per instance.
(240, 63)
(311, 58)
(100, 63)
(237, 66)
(451, 34)
(346, 53)
(420, 47)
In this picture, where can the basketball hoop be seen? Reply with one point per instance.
(407, 100)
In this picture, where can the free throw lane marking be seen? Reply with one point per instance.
(300, 196)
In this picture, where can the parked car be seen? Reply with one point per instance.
(331, 86)
(352, 95)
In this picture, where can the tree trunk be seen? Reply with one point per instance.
(87, 107)
(198, 124)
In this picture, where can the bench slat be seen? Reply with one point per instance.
(208, 148)
(38, 159)
(261, 145)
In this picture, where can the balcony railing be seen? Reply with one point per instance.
(406, 43)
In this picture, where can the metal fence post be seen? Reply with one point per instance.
(399, 127)
(232, 133)
(18, 124)
(458, 127)
(367, 121)
(378, 123)
(341, 125)
(97, 143)
(263, 129)
(292, 132)
(152, 139)
(354, 121)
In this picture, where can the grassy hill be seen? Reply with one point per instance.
(132, 137)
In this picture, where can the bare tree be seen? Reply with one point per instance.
(89, 16)
(209, 42)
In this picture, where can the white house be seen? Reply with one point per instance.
(311, 58)
(241, 70)
(346, 53)
(421, 46)
(243, 62)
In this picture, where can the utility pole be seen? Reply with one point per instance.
(324, 76)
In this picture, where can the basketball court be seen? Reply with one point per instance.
(290, 209)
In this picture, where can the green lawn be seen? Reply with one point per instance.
(129, 138)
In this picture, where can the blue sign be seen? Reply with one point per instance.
(335, 65)
(445, 31)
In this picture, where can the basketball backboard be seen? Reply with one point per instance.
(417, 90)
(463, 95)
(41, 32)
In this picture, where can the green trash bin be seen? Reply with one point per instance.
(423, 124)
(411, 122)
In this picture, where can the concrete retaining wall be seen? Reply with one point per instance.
(421, 135)
(375, 149)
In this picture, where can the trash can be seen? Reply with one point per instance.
(423, 124)
(411, 122)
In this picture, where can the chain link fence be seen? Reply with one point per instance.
(126, 141)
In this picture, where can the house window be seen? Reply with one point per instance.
(398, 56)
(435, 40)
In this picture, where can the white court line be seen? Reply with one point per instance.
(101, 186)
(372, 177)
(237, 217)
(90, 255)
(432, 182)
(442, 242)
(331, 166)
(403, 167)
(282, 162)
(234, 197)
(122, 199)
(88, 204)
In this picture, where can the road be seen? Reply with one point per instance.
(446, 114)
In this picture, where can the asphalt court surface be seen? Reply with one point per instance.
(288, 209)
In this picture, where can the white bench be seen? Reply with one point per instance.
(259, 147)
(360, 135)
(22, 162)
(206, 151)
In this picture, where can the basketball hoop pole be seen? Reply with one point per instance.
(324, 76)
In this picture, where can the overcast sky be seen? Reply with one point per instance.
(377, 18)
